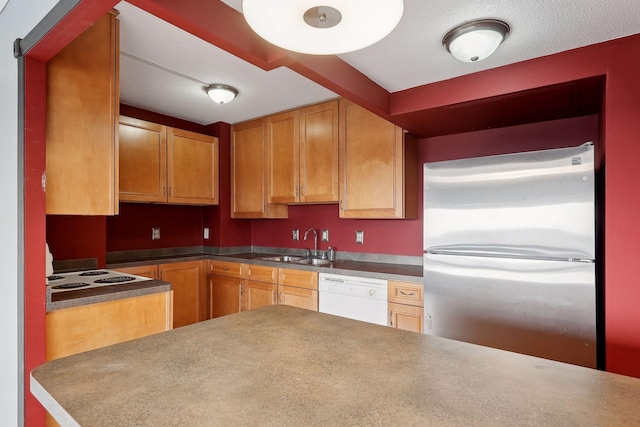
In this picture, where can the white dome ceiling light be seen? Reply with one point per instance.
(475, 40)
(222, 94)
(323, 27)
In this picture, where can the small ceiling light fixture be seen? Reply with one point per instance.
(476, 40)
(222, 94)
(323, 27)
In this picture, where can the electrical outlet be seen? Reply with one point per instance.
(360, 237)
(325, 235)
(206, 232)
(155, 233)
(295, 234)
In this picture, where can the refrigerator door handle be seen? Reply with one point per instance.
(488, 254)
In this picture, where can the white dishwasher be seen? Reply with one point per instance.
(358, 298)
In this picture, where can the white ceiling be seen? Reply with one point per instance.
(164, 69)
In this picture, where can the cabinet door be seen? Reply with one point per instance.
(298, 297)
(283, 157)
(189, 300)
(258, 294)
(143, 161)
(150, 271)
(248, 173)
(319, 153)
(373, 166)
(82, 123)
(406, 317)
(225, 295)
(192, 160)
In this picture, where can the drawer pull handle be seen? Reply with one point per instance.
(391, 318)
(225, 268)
(410, 294)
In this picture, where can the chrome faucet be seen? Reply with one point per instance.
(315, 240)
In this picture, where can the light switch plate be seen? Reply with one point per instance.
(325, 235)
(206, 232)
(295, 234)
(155, 233)
(360, 237)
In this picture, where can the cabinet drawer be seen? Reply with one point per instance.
(261, 273)
(406, 293)
(225, 268)
(298, 297)
(298, 278)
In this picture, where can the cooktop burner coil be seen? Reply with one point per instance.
(115, 279)
(93, 273)
(73, 285)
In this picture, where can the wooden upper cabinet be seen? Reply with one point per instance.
(166, 165)
(319, 153)
(302, 155)
(143, 161)
(249, 173)
(81, 126)
(192, 168)
(379, 166)
(282, 157)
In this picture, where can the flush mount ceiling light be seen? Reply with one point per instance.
(222, 94)
(475, 40)
(322, 27)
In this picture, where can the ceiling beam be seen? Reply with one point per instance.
(226, 28)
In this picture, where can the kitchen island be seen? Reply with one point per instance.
(280, 365)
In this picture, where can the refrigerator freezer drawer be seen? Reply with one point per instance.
(540, 308)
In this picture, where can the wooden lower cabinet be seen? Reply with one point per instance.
(235, 287)
(225, 295)
(258, 294)
(298, 297)
(87, 327)
(406, 317)
(150, 271)
(298, 288)
(190, 293)
(406, 306)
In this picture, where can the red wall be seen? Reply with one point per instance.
(180, 226)
(75, 237)
(34, 238)
(228, 232)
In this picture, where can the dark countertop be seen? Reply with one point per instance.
(402, 272)
(60, 300)
(284, 366)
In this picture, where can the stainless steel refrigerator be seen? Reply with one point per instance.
(509, 252)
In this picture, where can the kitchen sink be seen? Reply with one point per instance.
(282, 258)
(313, 261)
(296, 260)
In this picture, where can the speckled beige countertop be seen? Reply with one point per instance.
(284, 366)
